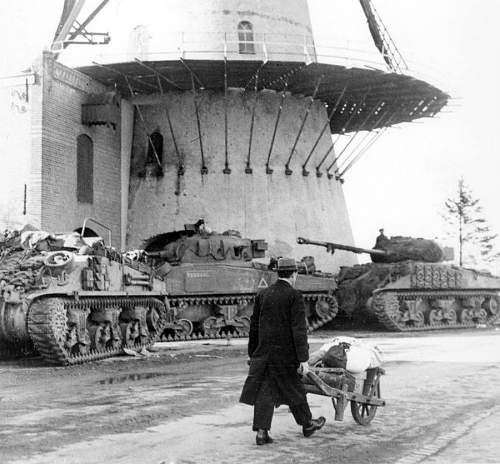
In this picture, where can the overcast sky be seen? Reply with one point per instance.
(402, 181)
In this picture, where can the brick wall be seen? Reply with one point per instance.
(64, 91)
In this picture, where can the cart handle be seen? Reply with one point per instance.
(336, 393)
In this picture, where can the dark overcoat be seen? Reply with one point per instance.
(277, 344)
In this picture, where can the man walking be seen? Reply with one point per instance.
(278, 351)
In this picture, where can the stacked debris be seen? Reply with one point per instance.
(19, 264)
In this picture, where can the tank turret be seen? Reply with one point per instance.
(196, 244)
(409, 287)
(391, 250)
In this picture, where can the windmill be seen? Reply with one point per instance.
(222, 109)
(72, 31)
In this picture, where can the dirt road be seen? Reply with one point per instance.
(442, 392)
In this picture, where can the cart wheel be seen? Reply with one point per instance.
(364, 413)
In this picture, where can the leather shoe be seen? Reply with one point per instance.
(263, 437)
(315, 424)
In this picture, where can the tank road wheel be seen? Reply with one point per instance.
(134, 325)
(395, 314)
(481, 316)
(130, 333)
(435, 317)
(363, 414)
(418, 319)
(210, 327)
(412, 314)
(491, 305)
(152, 319)
(100, 336)
(78, 339)
(245, 330)
(71, 341)
(466, 316)
(327, 309)
(183, 328)
(418, 310)
(450, 317)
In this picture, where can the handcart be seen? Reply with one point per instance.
(365, 397)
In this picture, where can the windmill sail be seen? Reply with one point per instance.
(67, 9)
(382, 39)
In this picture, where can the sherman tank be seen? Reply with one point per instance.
(212, 279)
(72, 299)
(408, 287)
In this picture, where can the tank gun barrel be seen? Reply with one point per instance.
(331, 247)
(157, 254)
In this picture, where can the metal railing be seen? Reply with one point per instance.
(266, 47)
(222, 45)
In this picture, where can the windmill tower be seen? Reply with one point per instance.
(218, 109)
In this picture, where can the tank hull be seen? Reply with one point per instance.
(413, 296)
(91, 303)
(73, 308)
(218, 299)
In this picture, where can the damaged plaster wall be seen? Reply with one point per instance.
(276, 207)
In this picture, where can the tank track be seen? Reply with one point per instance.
(324, 316)
(385, 306)
(48, 322)
(313, 323)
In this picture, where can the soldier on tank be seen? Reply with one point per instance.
(381, 241)
(278, 351)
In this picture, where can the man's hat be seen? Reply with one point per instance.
(287, 264)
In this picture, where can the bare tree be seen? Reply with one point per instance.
(464, 214)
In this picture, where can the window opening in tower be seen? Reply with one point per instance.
(84, 169)
(154, 157)
(245, 38)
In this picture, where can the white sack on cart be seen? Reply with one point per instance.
(360, 354)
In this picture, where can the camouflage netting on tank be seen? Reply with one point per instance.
(357, 283)
(408, 248)
(22, 257)
(20, 268)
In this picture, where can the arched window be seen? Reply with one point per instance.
(245, 37)
(84, 169)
